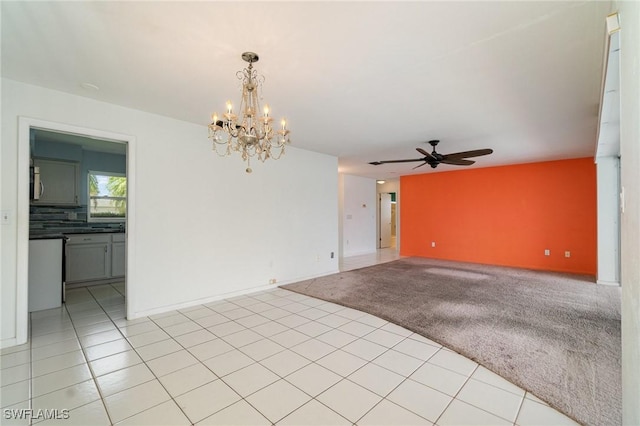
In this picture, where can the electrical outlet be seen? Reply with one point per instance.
(433, 243)
(547, 252)
(567, 254)
(272, 281)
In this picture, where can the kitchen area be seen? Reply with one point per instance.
(77, 215)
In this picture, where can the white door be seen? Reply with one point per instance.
(385, 220)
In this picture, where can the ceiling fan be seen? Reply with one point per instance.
(434, 158)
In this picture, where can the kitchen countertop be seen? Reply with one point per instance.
(49, 236)
(52, 233)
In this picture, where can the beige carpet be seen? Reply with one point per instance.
(555, 335)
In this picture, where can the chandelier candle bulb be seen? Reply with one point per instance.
(229, 107)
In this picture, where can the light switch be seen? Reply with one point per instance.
(6, 217)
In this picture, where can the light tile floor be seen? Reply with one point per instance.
(369, 259)
(274, 357)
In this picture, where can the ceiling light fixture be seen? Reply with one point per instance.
(250, 135)
(380, 182)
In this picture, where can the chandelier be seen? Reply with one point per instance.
(250, 134)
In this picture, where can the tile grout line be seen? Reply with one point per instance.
(281, 306)
(146, 365)
(260, 363)
(342, 378)
(221, 378)
(458, 393)
(202, 362)
(407, 377)
(524, 396)
(480, 408)
(161, 327)
(84, 354)
(86, 362)
(424, 362)
(98, 301)
(284, 378)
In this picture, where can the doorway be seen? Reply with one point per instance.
(26, 129)
(387, 220)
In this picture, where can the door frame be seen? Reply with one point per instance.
(25, 124)
(380, 194)
(388, 190)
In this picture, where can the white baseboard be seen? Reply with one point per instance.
(218, 297)
(6, 343)
(359, 253)
(611, 283)
(310, 277)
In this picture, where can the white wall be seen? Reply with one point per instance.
(629, 12)
(204, 228)
(608, 169)
(358, 215)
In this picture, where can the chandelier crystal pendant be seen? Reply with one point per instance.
(251, 135)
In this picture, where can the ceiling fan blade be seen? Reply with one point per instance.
(420, 165)
(426, 154)
(467, 154)
(377, 163)
(457, 161)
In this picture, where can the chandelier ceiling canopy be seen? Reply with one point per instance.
(250, 134)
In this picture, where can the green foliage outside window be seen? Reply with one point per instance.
(107, 196)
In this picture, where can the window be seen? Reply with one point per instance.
(107, 197)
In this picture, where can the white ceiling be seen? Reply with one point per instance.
(363, 81)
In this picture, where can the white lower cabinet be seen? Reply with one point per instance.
(118, 255)
(91, 257)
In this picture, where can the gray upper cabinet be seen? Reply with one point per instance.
(60, 180)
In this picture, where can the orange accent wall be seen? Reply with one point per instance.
(504, 215)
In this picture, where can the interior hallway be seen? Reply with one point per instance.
(369, 259)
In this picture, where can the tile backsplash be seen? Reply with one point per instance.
(41, 217)
(42, 213)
